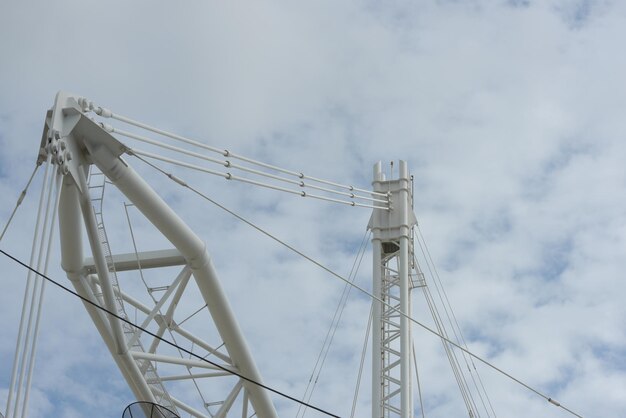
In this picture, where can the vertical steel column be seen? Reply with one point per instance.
(405, 325)
(391, 332)
(377, 274)
(71, 226)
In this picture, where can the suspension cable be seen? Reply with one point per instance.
(230, 164)
(230, 176)
(360, 374)
(33, 297)
(345, 302)
(184, 184)
(106, 113)
(27, 292)
(453, 321)
(417, 377)
(330, 335)
(20, 199)
(452, 355)
(33, 351)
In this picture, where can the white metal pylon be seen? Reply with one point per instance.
(76, 142)
(391, 331)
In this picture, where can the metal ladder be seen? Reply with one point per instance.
(96, 183)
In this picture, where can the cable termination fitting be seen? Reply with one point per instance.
(107, 127)
(104, 112)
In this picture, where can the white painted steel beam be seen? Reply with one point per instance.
(230, 399)
(183, 276)
(175, 328)
(70, 231)
(181, 361)
(195, 376)
(102, 268)
(147, 260)
(403, 206)
(190, 410)
(81, 141)
(104, 151)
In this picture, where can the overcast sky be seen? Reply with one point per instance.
(510, 115)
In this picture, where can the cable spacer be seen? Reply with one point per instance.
(21, 198)
(301, 175)
(226, 153)
(302, 184)
(177, 180)
(228, 176)
(553, 402)
(226, 163)
(303, 194)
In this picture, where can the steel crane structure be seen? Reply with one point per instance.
(85, 156)
(80, 149)
(73, 141)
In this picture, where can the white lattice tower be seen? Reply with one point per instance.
(391, 331)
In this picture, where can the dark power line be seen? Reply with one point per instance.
(68, 290)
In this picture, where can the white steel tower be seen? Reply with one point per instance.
(391, 330)
(75, 142)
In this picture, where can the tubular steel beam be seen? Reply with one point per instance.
(104, 151)
(143, 260)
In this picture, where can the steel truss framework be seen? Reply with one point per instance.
(76, 143)
(391, 331)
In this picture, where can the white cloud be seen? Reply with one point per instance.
(509, 113)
